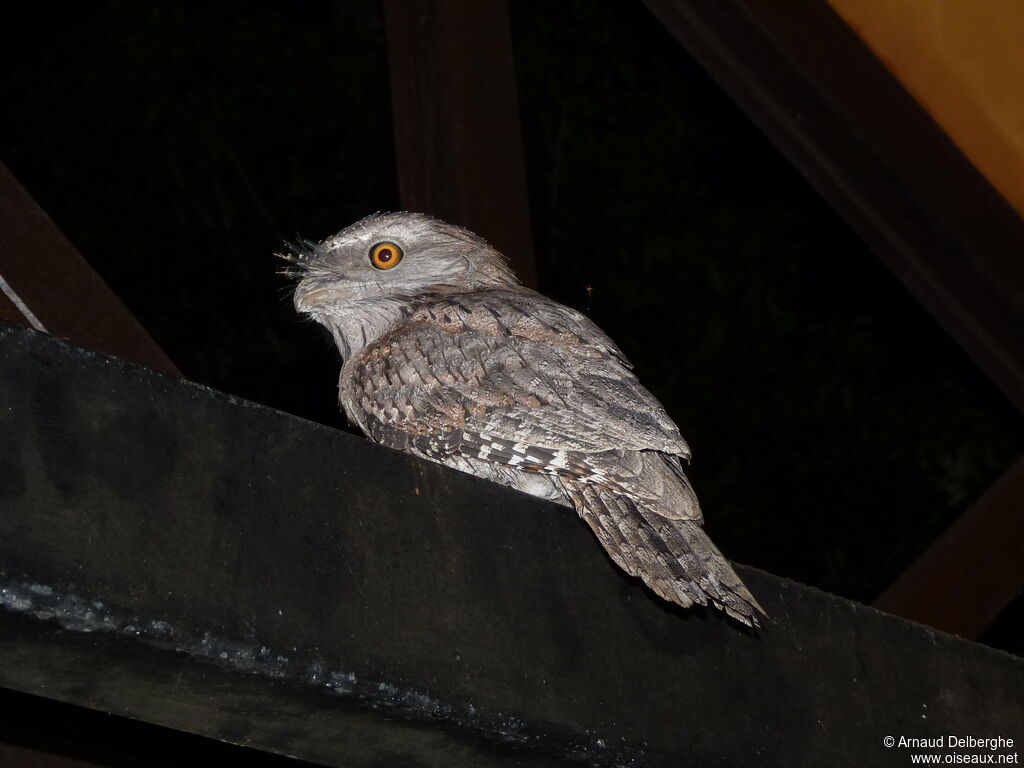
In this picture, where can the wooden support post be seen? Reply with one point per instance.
(458, 143)
(46, 284)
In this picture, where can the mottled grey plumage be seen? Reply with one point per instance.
(448, 357)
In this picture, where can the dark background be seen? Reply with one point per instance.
(836, 429)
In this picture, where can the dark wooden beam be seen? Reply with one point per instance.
(12, 756)
(46, 284)
(973, 571)
(175, 555)
(458, 142)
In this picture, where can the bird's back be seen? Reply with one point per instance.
(510, 363)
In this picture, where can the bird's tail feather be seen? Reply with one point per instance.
(675, 558)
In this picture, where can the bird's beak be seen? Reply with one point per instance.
(314, 294)
(310, 294)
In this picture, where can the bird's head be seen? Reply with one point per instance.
(392, 255)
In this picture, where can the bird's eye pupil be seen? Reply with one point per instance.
(385, 255)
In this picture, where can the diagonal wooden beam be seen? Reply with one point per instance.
(878, 158)
(973, 571)
(46, 284)
(458, 142)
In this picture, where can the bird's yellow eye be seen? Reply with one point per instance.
(385, 255)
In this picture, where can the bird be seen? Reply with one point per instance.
(447, 356)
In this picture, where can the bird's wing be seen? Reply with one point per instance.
(515, 378)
